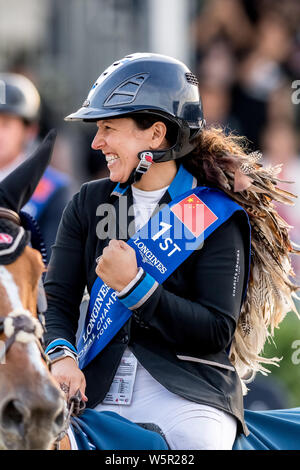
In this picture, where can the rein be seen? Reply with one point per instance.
(75, 407)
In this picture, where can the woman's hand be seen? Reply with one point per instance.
(69, 377)
(117, 266)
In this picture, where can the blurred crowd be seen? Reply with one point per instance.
(248, 61)
(248, 65)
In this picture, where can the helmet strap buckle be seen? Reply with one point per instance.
(146, 160)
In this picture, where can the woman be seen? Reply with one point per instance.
(182, 341)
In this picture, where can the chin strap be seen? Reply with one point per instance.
(146, 160)
(147, 157)
(184, 145)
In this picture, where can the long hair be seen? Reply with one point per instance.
(223, 161)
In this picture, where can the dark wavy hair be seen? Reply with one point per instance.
(144, 121)
(222, 160)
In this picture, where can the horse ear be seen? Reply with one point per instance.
(17, 188)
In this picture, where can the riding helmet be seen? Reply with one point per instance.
(19, 96)
(148, 83)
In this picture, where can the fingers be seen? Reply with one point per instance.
(113, 244)
(117, 265)
(69, 377)
(117, 244)
(65, 388)
(82, 389)
(124, 245)
(71, 386)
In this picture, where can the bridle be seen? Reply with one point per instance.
(20, 326)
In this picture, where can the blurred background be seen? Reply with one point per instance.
(246, 55)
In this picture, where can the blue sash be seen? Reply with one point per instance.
(167, 240)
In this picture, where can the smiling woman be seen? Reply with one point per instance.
(142, 134)
(123, 139)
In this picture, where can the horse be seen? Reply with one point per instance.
(32, 406)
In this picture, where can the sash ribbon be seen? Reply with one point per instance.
(161, 245)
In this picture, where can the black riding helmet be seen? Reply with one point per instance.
(145, 83)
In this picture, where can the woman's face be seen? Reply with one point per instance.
(121, 140)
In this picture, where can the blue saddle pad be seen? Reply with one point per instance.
(106, 430)
(271, 430)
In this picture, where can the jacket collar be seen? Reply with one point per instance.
(183, 181)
